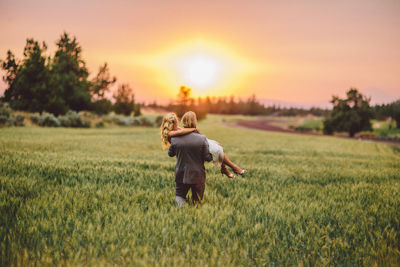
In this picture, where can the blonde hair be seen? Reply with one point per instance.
(167, 125)
(189, 120)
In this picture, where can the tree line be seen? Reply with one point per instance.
(60, 83)
(384, 111)
(231, 105)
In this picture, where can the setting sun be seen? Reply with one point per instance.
(200, 71)
(207, 67)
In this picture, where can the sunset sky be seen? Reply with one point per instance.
(299, 52)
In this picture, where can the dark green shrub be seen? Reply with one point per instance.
(158, 121)
(132, 121)
(145, 121)
(102, 106)
(135, 122)
(303, 128)
(6, 119)
(11, 121)
(123, 121)
(137, 111)
(120, 120)
(328, 126)
(64, 121)
(86, 124)
(19, 120)
(100, 124)
(5, 110)
(350, 115)
(5, 114)
(73, 119)
(396, 112)
(3, 120)
(34, 118)
(49, 120)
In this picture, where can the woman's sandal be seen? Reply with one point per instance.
(242, 173)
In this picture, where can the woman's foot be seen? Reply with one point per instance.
(225, 171)
(239, 171)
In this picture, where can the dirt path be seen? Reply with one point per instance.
(267, 125)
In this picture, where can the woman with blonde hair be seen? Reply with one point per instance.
(169, 128)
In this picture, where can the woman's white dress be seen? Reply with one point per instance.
(216, 151)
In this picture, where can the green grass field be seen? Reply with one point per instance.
(105, 196)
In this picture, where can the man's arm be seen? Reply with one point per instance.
(172, 149)
(206, 151)
(182, 131)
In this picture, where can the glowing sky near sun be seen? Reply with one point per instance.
(207, 67)
(200, 70)
(294, 51)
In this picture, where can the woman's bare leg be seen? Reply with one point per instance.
(234, 167)
(224, 170)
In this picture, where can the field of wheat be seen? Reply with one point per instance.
(106, 196)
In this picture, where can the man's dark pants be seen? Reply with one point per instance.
(182, 189)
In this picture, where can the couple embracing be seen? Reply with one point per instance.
(192, 149)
